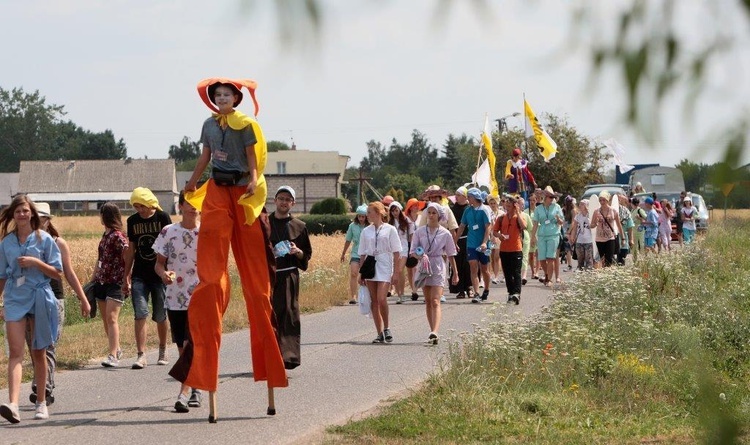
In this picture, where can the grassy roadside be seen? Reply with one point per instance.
(654, 353)
(325, 284)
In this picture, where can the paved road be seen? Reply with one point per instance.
(110, 406)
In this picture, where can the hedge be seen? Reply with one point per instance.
(329, 206)
(326, 224)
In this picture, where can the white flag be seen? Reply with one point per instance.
(482, 176)
(619, 154)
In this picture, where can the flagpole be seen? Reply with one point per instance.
(525, 126)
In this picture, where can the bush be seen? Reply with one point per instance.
(326, 224)
(329, 206)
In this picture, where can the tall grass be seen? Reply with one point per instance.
(656, 352)
(325, 284)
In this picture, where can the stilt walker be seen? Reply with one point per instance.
(233, 213)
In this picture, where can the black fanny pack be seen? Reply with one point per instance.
(222, 177)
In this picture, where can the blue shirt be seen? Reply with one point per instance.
(27, 290)
(546, 217)
(652, 229)
(352, 235)
(476, 220)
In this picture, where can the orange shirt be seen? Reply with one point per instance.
(509, 226)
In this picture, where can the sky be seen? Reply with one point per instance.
(377, 71)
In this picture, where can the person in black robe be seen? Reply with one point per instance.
(292, 249)
(463, 288)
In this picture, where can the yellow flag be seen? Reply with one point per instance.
(547, 147)
(487, 142)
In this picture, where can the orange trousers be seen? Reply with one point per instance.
(222, 224)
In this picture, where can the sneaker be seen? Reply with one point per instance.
(49, 397)
(41, 412)
(461, 295)
(401, 299)
(162, 356)
(476, 299)
(140, 363)
(570, 267)
(485, 294)
(352, 301)
(388, 295)
(387, 335)
(494, 280)
(481, 285)
(510, 299)
(181, 405)
(414, 296)
(524, 281)
(119, 354)
(379, 339)
(517, 299)
(195, 399)
(432, 339)
(111, 361)
(9, 411)
(442, 299)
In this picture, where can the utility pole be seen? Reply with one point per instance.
(360, 190)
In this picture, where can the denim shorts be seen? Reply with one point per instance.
(472, 254)
(650, 242)
(354, 260)
(140, 292)
(108, 291)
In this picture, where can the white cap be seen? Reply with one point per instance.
(286, 188)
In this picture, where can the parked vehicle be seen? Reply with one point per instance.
(701, 223)
(598, 188)
(658, 179)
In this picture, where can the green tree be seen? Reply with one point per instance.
(27, 127)
(408, 185)
(185, 151)
(277, 146)
(579, 161)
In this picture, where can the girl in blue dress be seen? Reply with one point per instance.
(29, 257)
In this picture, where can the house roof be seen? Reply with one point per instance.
(96, 176)
(8, 187)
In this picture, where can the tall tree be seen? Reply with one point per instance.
(186, 150)
(27, 126)
(277, 146)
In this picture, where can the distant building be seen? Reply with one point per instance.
(8, 187)
(314, 176)
(83, 186)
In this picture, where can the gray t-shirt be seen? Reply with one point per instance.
(228, 146)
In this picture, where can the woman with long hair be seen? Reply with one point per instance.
(109, 274)
(353, 233)
(45, 218)
(665, 225)
(607, 222)
(569, 214)
(29, 258)
(380, 240)
(405, 229)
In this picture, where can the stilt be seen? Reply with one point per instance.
(213, 415)
(271, 405)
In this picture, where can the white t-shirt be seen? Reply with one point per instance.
(689, 223)
(583, 235)
(180, 247)
(381, 243)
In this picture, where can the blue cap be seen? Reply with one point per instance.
(649, 200)
(362, 210)
(475, 193)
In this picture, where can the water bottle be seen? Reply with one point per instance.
(419, 251)
(488, 251)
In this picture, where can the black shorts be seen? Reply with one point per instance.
(178, 324)
(108, 291)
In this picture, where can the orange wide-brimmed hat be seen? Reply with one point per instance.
(206, 88)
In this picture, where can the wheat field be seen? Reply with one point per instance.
(325, 284)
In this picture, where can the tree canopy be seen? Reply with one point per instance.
(32, 129)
